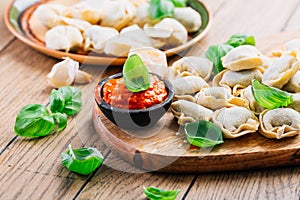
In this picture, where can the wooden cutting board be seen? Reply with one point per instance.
(168, 151)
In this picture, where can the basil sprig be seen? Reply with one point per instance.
(135, 74)
(270, 97)
(154, 193)
(203, 134)
(215, 52)
(66, 100)
(241, 39)
(83, 160)
(164, 8)
(34, 120)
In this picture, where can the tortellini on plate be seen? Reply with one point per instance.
(50, 14)
(279, 123)
(242, 57)
(186, 111)
(235, 121)
(189, 18)
(280, 71)
(70, 37)
(97, 36)
(237, 80)
(189, 85)
(193, 66)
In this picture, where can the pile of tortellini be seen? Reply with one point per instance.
(113, 27)
(226, 99)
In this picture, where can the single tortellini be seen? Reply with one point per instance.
(296, 102)
(96, 37)
(241, 58)
(169, 30)
(189, 85)
(142, 16)
(280, 71)
(193, 66)
(237, 80)
(77, 23)
(137, 34)
(50, 14)
(213, 97)
(120, 46)
(84, 11)
(118, 14)
(63, 38)
(252, 104)
(186, 111)
(235, 121)
(279, 123)
(294, 83)
(189, 18)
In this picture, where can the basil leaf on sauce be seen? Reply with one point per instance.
(33, 121)
(203, 134)
(135, 74)
(66, 100)
(270, 97)
(83, 160)
(154, 193)
(214, 53)
(241, 39)
(161, 8)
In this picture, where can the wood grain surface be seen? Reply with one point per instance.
(31, 169)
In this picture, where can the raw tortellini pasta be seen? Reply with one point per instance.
(97, 36)
(280, 71)
(279, 123)
(193, 66)
(252, 104)
(235, 121)
(242, 57)
(189, 85)
(186, 111)
(237, 80)
(50, 14)
(69, 37)
(294, 83)
(189, 18)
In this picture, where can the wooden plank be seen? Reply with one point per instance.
(23, 81)
(278, 184)
(127, 182)
(6, 36)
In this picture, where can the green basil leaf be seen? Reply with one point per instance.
(57, 101)
(179, 3)
(270, 97)
(61, 120)
(161, 8)
(158, 194)
(203, 134)
(72, 98)
(214, 53)
(83, 160)
(241, 39)
(34, 121)
(135, 74)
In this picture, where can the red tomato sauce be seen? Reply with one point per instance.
(116, 94)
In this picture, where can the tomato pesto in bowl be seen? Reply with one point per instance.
(134, 110)
(116, 94)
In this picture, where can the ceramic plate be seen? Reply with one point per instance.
(19, 11)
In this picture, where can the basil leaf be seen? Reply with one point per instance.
(34, 121)
(61, 120)
(214, 53)
(270, 97)
(57, 101)
(135, 74)
(241, 39)
(83, 160)
(161, 8)
(66, 100)
(179, 3)
(203, 134)
(158, 194)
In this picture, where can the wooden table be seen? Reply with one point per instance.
(31, 169)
